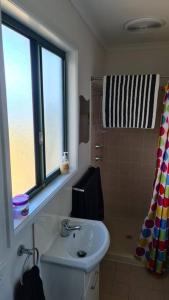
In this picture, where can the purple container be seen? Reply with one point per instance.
(20, 206)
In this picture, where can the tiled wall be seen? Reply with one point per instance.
(128, 163)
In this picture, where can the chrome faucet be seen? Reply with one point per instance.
(66, 228)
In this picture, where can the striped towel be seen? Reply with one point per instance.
(130, 101)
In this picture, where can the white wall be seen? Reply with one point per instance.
(143, 59)
(61, 18)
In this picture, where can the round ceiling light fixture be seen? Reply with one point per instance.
(143, 24)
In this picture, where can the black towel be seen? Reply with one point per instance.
(32, 288)
(88, 204)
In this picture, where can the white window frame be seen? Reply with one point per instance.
(9, 227)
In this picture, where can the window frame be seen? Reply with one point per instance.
(36, 44)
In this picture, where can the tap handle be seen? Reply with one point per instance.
(97, 158)
(65, 222)
(98, 146)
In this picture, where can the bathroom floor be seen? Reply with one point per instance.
(120, 281)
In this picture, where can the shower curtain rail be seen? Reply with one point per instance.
(101, 77)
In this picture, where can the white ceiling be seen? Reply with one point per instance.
(106, 19)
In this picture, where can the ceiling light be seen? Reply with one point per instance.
(143, 24)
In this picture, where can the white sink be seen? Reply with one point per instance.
(93, 239)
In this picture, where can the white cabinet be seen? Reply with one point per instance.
(92, 286)
(64, 283)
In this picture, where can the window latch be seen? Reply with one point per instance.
(40, 138)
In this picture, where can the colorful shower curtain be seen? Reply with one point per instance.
(154, 239)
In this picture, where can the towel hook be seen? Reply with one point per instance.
(29, 252)
(22, 250)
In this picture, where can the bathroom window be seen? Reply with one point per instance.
(36, 106)
(52, 93)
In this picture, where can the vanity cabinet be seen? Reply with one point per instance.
(63, 283)
(66, 274)
(92, 285)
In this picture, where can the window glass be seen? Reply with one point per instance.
(17, 62)
(35, 81)
(53, 109)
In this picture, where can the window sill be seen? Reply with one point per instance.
(41, 199)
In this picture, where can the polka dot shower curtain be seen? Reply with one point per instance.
(154, 239)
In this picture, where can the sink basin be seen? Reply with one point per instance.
(91, 241)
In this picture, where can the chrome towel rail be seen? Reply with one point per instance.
(78, 190)
(28, 252)
(101, 77)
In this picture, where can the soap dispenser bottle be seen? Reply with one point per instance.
(64, 167)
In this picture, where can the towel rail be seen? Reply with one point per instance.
(101, 77)
(22, 250)
(79, 190)
(28, 252)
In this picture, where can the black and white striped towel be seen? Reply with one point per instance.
(130, 101)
